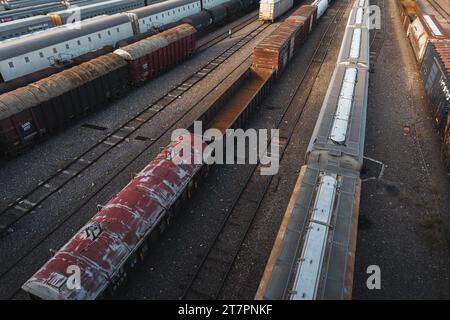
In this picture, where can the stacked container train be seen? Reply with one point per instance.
(313, 255)
(115, 239)
(42, 107)
(431, 47)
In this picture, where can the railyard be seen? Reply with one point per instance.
(218, 247)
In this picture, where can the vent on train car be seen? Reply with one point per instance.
(359, 16)
(307, 277)
(344, 107)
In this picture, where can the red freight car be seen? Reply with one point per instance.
(117, 237)
(151, 56)
(49, 104)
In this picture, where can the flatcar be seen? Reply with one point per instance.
(121, 234)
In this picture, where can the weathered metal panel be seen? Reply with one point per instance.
(104, 245)
(57, 84)
(156, 42)
(305, 14)
(348, 151)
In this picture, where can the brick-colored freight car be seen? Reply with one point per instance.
(276, 50)
(50, 104)
(435, 74)
(151, 56)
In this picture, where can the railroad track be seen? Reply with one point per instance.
(30, 201)
(106, 145)
(209, 278)
(440, 9)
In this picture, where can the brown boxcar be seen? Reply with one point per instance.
(151, 56)
(277, 49)
(50, 104)
(305, 14)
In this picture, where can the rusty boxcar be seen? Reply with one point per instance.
(50, 104)
(305, 14)
(421, 31)
(151, 56)
(108, 247)
(273, 52)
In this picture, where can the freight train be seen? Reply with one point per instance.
(49, 107)
(112, 243)
(431, 47)
(33, 53)
(313, 256)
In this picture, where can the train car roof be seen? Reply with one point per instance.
(94, 6)
(28, 43)
(161, 6)
(25, 22)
